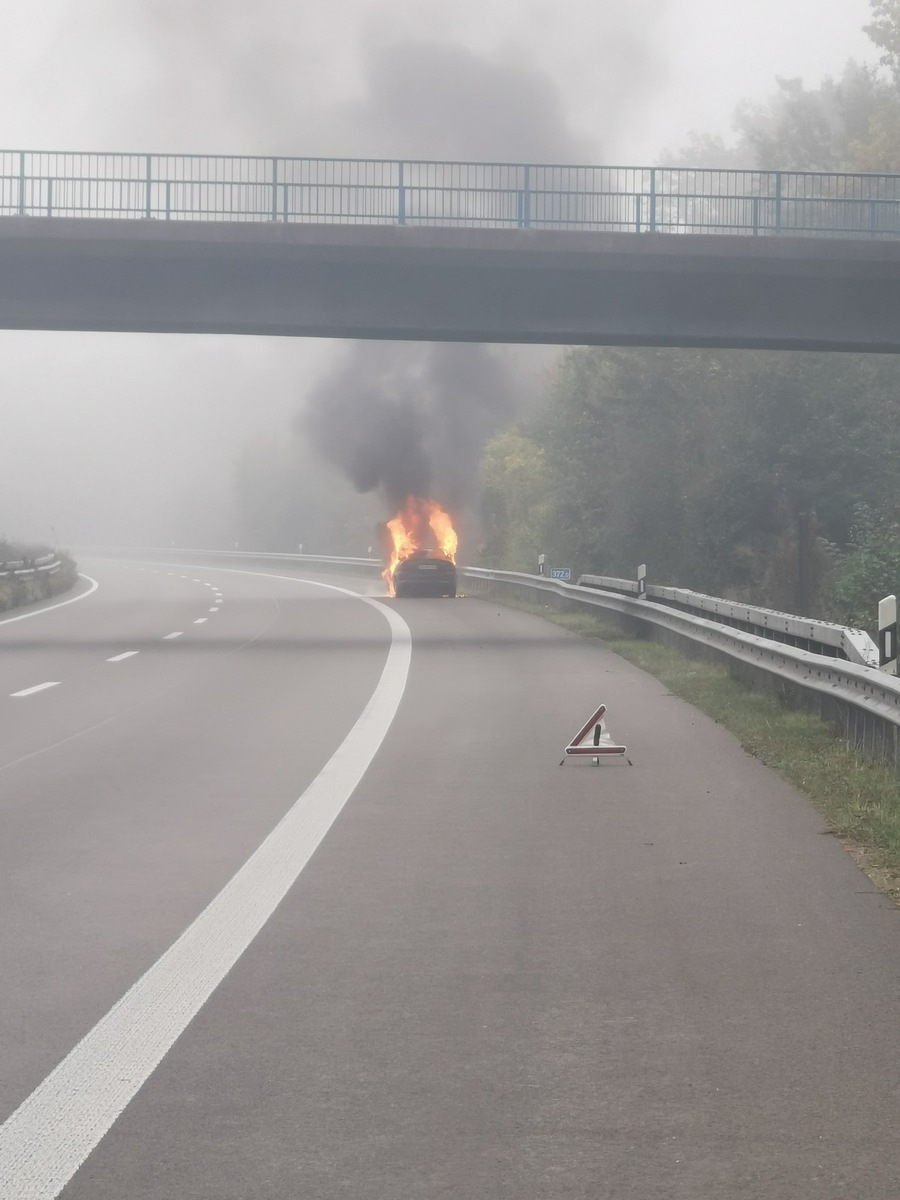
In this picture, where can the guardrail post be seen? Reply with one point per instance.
(525, 200)
(274, 189)
(401, 196)
(778, 200)
(804, 562)
(168, 199)
(148, 207)
(21, 183)
(754, 208)
(50, 196)
(651, 223)
(887, 635)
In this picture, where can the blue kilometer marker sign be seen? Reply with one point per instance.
(560, 573)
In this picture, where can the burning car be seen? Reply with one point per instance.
(425, 573)
(420, 550)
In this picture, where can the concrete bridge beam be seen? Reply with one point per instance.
(437, 284)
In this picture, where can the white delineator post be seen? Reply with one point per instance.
(887, 634)
(642, 579)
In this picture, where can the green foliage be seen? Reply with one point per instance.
(698, 463)
(513, 510)
(812, 130)
(867, 570)
(884, 31)
(848, 123)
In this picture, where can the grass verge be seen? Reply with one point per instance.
(859, 799)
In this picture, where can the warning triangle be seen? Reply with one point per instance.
(600, 743)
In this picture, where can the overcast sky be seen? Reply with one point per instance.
(152, 424)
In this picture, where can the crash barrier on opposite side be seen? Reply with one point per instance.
(21, 568)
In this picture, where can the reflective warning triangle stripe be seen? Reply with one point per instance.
(603, 743)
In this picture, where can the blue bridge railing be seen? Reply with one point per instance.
(171, 187)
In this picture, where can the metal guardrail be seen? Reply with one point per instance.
(862, 702)
(20, 568)
(199, 187)
(821, 637)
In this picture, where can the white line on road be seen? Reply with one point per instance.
(215, 608)
(119, 657)
(53, 1131)
(200, 620)
(173, 635)
(50, 607)
(38, 687)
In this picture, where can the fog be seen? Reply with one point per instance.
(134, 439)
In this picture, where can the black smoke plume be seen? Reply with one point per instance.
(410, 419)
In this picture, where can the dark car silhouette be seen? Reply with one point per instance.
(425, 573)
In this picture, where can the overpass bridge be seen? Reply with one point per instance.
(449, 251)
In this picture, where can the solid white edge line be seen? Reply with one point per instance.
(50, 607)
(38, 687)
(48, 1137)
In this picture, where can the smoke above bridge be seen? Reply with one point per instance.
(409, 419)
(387, 78)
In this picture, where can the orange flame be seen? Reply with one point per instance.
(419, 525)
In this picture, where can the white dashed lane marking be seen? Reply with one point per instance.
(200, 620)
(215, 609)
(173, 635)
(54, 1130)
(38, 687)
(119, 657)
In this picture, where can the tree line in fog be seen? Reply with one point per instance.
(710, 467)
(770, 477)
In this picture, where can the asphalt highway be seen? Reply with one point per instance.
(299, 903)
